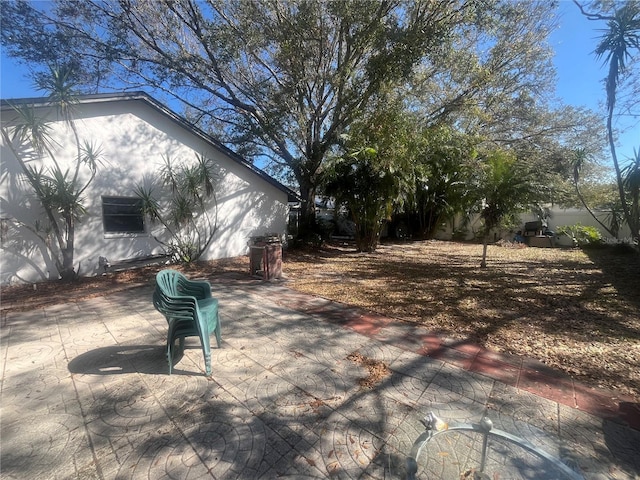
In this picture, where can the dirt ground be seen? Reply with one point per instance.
(573, 310)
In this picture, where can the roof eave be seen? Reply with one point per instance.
(41, 102)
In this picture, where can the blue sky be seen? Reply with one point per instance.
(579, 74)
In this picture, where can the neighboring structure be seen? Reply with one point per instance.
(134, 132)
(557, 217)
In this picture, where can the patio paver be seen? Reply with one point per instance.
(85, 394)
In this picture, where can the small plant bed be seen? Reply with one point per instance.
(27, 296)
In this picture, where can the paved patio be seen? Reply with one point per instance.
(86, 394)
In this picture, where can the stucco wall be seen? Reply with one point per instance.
(133, 137)
(559, 217)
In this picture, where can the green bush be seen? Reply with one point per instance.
(460, 234)
(581, 235)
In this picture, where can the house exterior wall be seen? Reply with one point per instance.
(133, 137)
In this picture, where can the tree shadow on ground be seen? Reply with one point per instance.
(553, 305)
(155, 426)
(621, 268)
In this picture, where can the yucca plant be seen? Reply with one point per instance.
(186, 215)
(616, 49)
(59, 192)
(631, 182)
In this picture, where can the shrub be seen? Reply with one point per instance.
(460, 234)
(582, 236)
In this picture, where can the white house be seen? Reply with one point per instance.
(134, 133)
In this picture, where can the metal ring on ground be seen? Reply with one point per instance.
(435, 426)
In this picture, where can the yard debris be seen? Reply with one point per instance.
(377, 370)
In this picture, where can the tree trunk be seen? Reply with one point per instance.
(367, 241)
(308, 178)
(485, 241)
(307, 221)
(67, 272)
(588, 209)
(632, 223)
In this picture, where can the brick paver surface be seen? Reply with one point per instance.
(86, 394)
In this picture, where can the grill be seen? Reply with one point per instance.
(531, 229)
(265, 256)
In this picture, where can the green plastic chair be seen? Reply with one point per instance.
(190, 311)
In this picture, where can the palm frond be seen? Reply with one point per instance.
(61, 87)
(614, 48)
(168, 173)
(91, 155)
(205, 169)
(631, 173)
(150, 206)
(182, 211)
(32, 129)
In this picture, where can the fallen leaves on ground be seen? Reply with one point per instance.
(575, 311)
(376, 369)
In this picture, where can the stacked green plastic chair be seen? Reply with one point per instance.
(190, 311)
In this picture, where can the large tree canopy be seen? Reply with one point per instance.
(284, 79)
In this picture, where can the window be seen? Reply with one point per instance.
(122, 215)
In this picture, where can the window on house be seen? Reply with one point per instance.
(122, 215)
